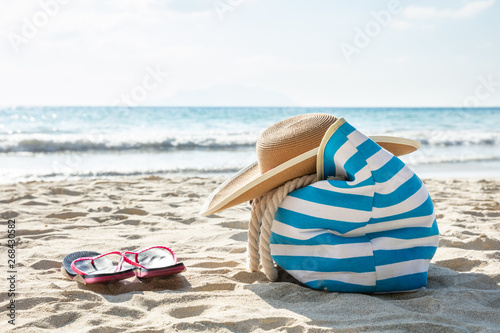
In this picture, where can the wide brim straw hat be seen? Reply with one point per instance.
(286, 150)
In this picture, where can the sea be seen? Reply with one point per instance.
(55, 143)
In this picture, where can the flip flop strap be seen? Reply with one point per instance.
(92, 259)
(124, 258)
(128, 261)
(136, 255)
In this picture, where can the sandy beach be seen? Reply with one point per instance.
(216, 293)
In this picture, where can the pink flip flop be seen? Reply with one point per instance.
(89, 267)
(154, 261)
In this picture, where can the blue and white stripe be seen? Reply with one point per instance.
(375, 232)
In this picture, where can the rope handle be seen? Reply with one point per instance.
(263, 211)
(261, 221)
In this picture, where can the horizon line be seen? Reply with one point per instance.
(250, 106)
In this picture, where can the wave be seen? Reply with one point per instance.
(414, 160)
(116, 142)
(53, 145)
(482, 140)
(449, 138)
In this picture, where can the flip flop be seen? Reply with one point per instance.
(153, 262)
(89, 267)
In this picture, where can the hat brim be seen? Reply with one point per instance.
(249, 183)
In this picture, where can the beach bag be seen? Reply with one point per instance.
(374, 232)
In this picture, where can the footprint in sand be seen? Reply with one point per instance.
(169, 194)
(240, 237)
(63, 191)
(132, 211)
(209, 264)
(131, 222)
(183, 220)
(479, 243)
(117, 217)
(189, 311)
(238, 250)
(31, 302)
(66, 215)
(235, 225)
(105, 209)
(35, 232)
(57, 321)
(474, 213)
(459, 264)
(215, 267)
(131, 237)
(28, 196)
(493, 213)
(209, 287)
(34, 203)
(45, 264)
(122, 311)
(249, 277)
(10, 214)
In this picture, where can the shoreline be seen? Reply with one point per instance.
(218, 178)
(216, 293)
(424, 173)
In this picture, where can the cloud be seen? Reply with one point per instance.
(401, 24)
(267, 63)
(469, 10)
(188, 6)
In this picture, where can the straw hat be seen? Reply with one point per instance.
(286, 150)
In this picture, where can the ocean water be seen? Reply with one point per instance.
(52, 143)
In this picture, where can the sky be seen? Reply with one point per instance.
(313, 53)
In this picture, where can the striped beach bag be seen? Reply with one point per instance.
(374, 232)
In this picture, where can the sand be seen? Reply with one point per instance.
(217, 293)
